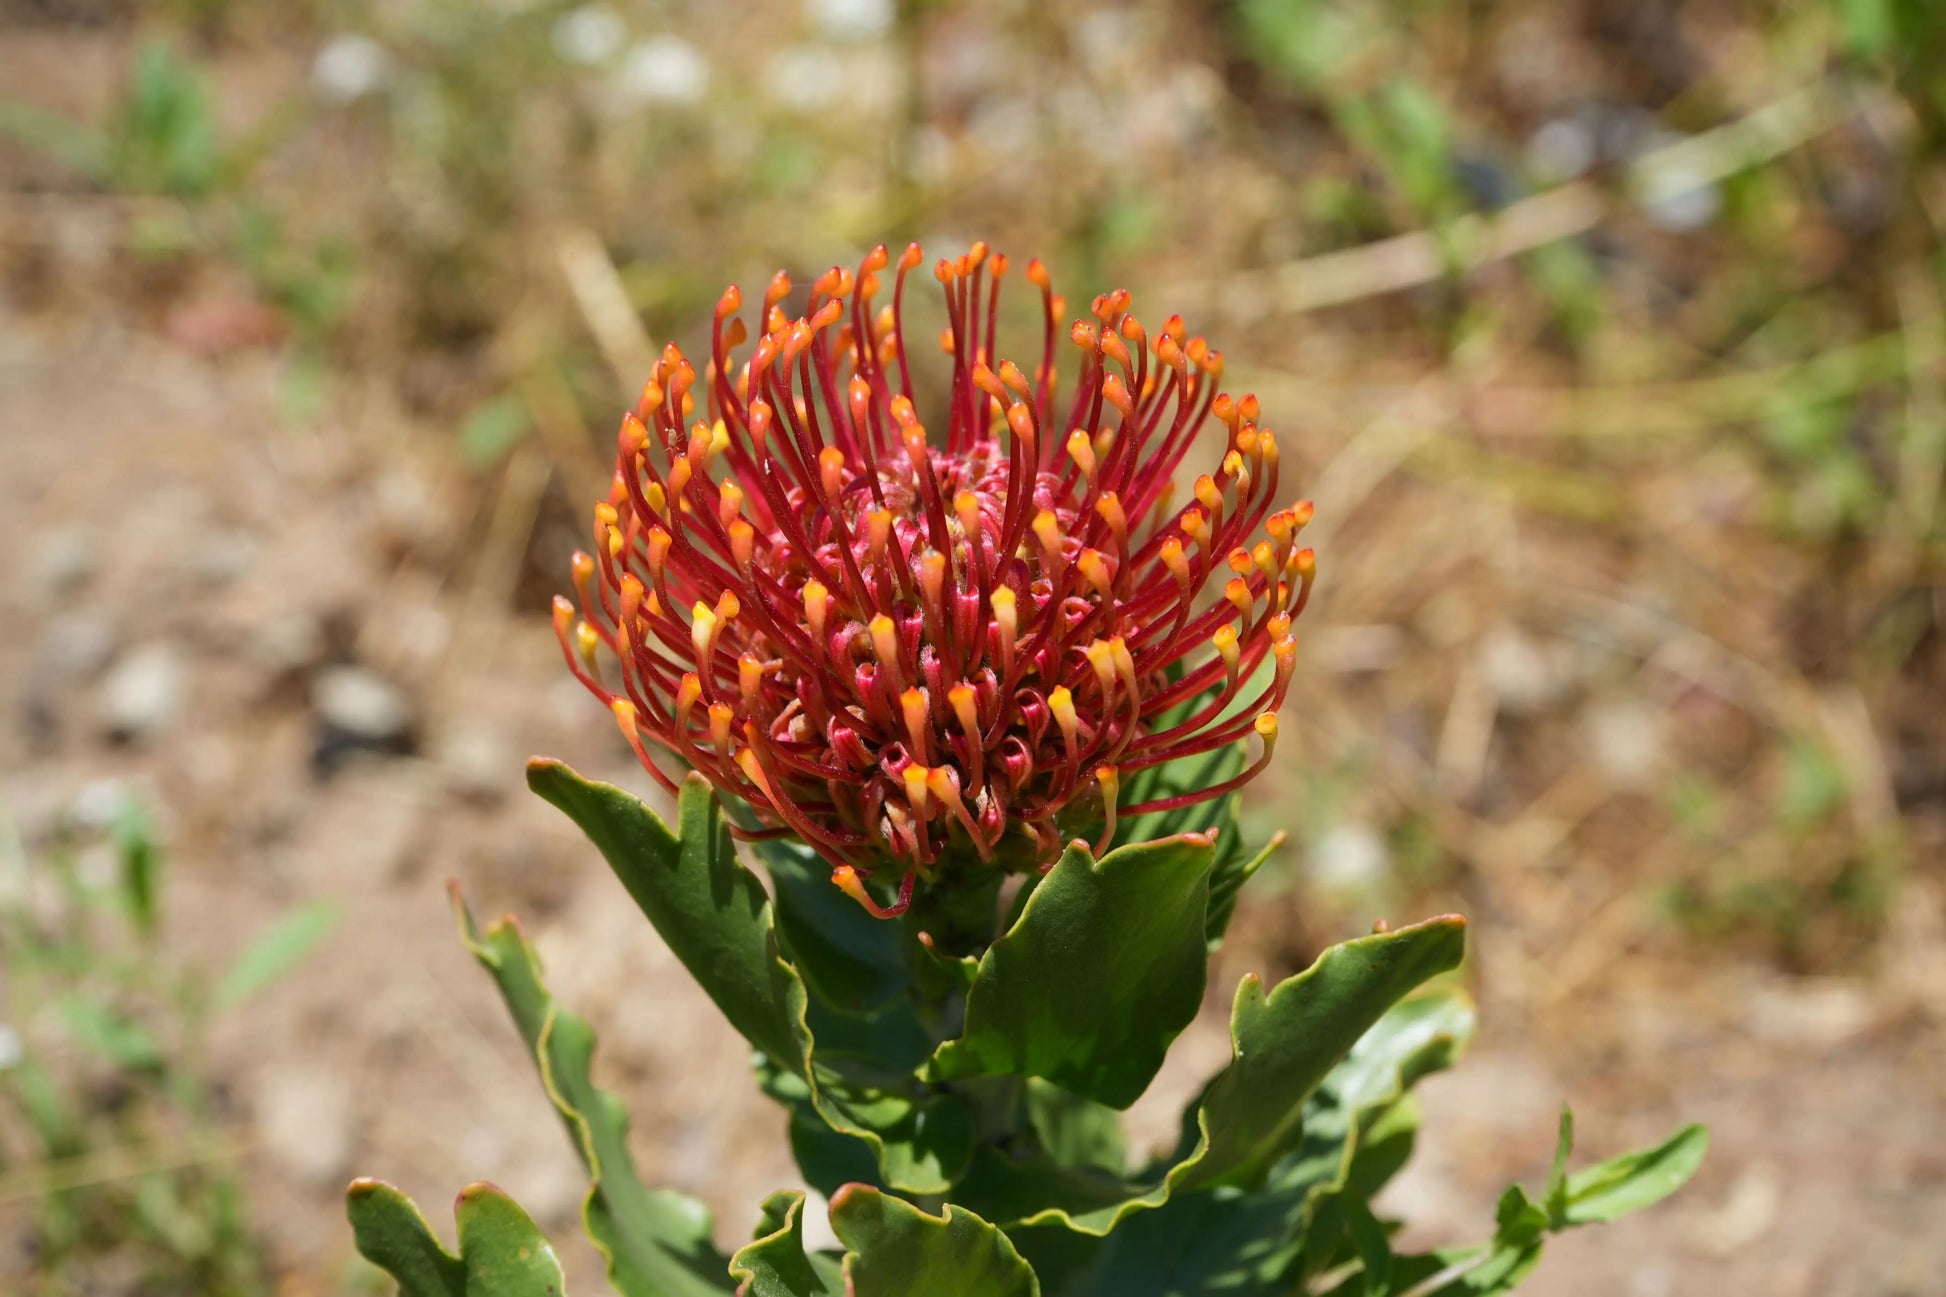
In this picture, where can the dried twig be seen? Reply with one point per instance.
(122, 1162)
(1472, 241)
(598, 291)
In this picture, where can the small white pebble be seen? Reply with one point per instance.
(665, 70)
(852, 19)
(589, 35)
(349, 67)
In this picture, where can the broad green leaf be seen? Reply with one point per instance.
(829, 1159)
(1374, 1249)
(894, 1249)
(776, 1264)
(712, 912)
(1286, 1041)
(1104, 968)
(1422, 1034)
(1358, 1127)
(1220, 1243)
(1283, 1043)
(850, 960)
(504, 1254)
(716, 917)
(657, 1243)
(501, 1253)
(1612, 1189)
(392, 1234)
(1073, 1130)
(275, 952)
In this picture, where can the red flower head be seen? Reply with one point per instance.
(896, 644)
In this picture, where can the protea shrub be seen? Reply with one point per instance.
(975, 661)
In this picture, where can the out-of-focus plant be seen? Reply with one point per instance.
(162, 137)
(115, 1147)
(980, 699)
(162, 140)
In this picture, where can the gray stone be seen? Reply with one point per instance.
(143, 694)
(361, 704)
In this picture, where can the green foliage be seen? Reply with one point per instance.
(501, 1253)
(1123, 937)
(895, 1249)
(776, 1264)
(960, 1110)
(161, 138)
(1597, 1195)
(657, 1243)
(275, 952)
(717, 919)
(115, 1161)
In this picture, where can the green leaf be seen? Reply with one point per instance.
(1233, 869)
(114, 1036)
(140, 856)
(1374, 1249)
(1075, 1131)
(893, 1249)
(501, 1253)
(1597, 1195)
(393, 1235)
(1358, 1128)
(1284, 1044)
(1556, 1197)
(850, 960)
(716, 917)
(1287, 1041)
(657, 1243)
(1614, 1188)
(776, 1264)
(1104, 968)
(164, 136)
(504, 1255)
(713, 913)
(275, 952)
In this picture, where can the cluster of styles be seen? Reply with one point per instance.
(888, 647)
(980, 698)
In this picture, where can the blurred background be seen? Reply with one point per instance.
(1608, 337)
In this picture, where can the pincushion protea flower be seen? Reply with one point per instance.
(898, 645)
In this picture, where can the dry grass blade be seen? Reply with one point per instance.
(121, 1163)
(1425, 256)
